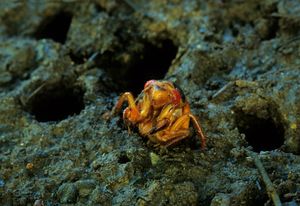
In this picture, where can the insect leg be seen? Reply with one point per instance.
(199, 131)
(127, 96)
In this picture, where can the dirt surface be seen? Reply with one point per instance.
(64, 65)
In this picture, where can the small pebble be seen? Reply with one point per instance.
(85, 187)
(154, 158)
(2, 183)
(38, 203)
(5, 77)
(29, 166)
(67, 193)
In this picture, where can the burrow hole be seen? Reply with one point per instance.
(56, 103)
(76, 58)
(262, 134)
(152, 62)
(55, 27)
(123, 158)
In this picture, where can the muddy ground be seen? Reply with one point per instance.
(63, 66)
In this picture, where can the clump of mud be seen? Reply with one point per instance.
(63, 66)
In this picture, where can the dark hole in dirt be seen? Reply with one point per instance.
(273, 27)
(235, 29)
(123, 159)
(261, 134)
(99, 8)
(77, 59)
(55, 27)
(56, 103)
(152, 62)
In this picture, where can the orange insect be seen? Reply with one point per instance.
(160, 112)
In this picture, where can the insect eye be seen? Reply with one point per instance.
(148, 83)
(180, 92)
(177, 96)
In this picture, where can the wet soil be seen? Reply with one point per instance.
(64, 64)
